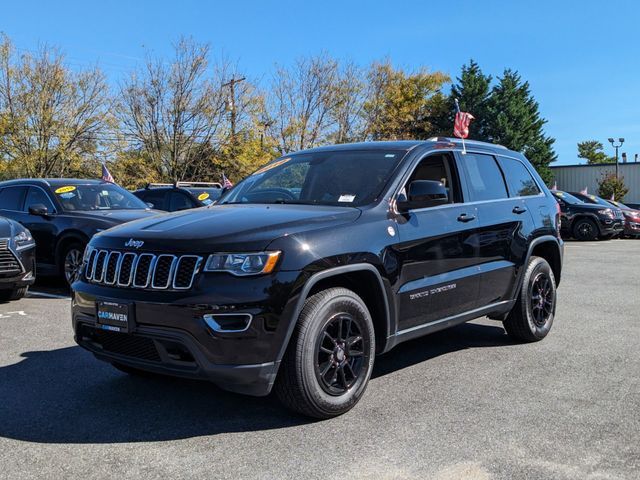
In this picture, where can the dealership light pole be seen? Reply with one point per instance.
(232, 104)
(613, 144)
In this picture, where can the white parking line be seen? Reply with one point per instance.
(47, 295)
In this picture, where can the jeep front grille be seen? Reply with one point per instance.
(8, 262)
(141, 270)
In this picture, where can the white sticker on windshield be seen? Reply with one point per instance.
(346, 198)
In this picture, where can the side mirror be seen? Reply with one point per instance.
(423, 194)
(39, 210)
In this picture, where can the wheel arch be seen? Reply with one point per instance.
(364, 280)
(582, 216)
(549, 248)
(67, 238)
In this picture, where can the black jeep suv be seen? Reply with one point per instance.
(588, 221)
(319, 261)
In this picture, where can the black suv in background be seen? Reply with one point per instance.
(320, 260)
(63, 214)
(588, 221)
(17, 260)
(179, 196)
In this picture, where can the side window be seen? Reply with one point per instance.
(37, 196)
(179, 201)
(519, 180)
(11, 198)
(154, 197)
(484, 177)
(439, 168)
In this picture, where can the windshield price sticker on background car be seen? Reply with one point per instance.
(203, 196)
(346, 198)
(66, 189)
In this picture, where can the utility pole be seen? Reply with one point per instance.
(232, 104)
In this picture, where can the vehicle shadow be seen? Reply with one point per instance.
(67, 396)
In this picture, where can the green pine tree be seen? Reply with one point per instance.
(513, 120)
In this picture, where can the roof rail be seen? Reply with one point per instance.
(199, 184)
(468, 142)
(154, 185)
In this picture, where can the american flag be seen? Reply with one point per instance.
(584, 191)
(226, 183)
(461, 125)
(106, 174)
(555, 185)
(613, 196)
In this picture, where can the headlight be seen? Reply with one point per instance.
(24, 240)
(242, 263)
(606, 211)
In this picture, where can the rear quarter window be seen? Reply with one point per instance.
(12, 198)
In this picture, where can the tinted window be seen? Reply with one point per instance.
(154, 196)
(567, 197)
(179, 201)
(346, 178)
(37, 196)
(11, 198)
(485, 178)
(206, 195)
(97, 196)
(519, 180)
(438, 168)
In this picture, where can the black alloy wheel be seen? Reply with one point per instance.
(72, 262)
(340, 354)
(585, 229)
(532, 315)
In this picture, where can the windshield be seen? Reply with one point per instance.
(345, 178)
(620, 205)
(596, 200)
(97, 196)
(206, 195)
(568, 198)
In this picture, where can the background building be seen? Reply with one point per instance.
(573, 178)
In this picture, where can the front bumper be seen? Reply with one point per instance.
(611, 226)
(26, 277)
(170, 334)
(632, 228)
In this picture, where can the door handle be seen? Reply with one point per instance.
(518, 210)
(466, 218)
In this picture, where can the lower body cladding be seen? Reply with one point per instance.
(236, 347)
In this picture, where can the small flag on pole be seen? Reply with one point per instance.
(613, 196)
(461, 125)
(584, 191)
(106, 175)
(226, 183)
(555, 185)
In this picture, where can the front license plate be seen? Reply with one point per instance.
(114, 316)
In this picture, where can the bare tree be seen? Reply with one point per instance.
(347, 114)
(301, 99)
(174, 113)
(52, 119)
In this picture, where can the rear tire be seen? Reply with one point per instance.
(15, 294)
(330, 356)
(585, 229)
(532, 316)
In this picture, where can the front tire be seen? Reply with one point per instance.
(330, 356)
(585, 229)
(532, 316)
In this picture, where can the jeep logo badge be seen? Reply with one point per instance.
(134, 243)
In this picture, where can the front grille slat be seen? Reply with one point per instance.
(9, 264)
(141, 270)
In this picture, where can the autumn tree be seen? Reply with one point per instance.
(52, 119)
(400, 104)
(611, 186)
(173, 112)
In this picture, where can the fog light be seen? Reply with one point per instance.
(228, 322)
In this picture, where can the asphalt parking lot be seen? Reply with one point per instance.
(461, 404)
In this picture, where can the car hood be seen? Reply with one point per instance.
(117, 216)
(224, 227)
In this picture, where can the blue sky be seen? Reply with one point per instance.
(581, 58)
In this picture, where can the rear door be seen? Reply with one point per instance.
(437, 251)
(505, 223)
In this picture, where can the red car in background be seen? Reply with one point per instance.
(631, 219)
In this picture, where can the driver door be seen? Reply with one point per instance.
(438, 251)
